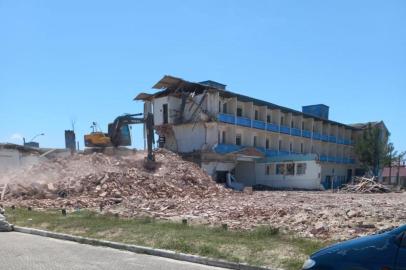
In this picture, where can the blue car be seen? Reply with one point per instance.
(381, 251)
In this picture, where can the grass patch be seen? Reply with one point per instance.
(264, 246)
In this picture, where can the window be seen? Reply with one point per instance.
(238, 139)
(291, 124)
(290, 169)
(280, 169)
(267, 144)
(301, 148)
(223, 137)
(219, 106)
(239, 112)
(165, 113)
(282, 120)
(225, 108)
(269, 169)
(291, 147)
(303, 125)
(280, 145)
(255, 141)
(301, 169)
(256, 115)
(268, 118)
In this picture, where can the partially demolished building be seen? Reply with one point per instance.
(260, 143)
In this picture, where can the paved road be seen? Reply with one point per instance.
(29, 252)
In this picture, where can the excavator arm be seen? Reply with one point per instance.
(119, 133)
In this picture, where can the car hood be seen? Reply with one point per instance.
(372, 243)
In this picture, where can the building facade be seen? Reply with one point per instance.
(259, 142)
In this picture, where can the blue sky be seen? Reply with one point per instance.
(84, 61)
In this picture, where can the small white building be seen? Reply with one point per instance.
(259, 142)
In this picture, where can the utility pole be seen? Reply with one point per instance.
(398, 174)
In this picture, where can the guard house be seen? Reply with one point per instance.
(259, 142)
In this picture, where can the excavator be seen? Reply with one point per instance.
(119, 133)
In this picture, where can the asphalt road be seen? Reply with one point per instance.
(29, 252)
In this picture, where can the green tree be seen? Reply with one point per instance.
(373, 149)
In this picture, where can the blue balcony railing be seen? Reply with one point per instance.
(340, 140)
(283, 153)
(242, 121)
(324, 137)
(332, 139)
(352, 161)
(258, 124)
(271, 153)
(272, 127)
(306, 134)
(284, 129)
(295, 132)
(331, 159)
(226, 118)
(323, 158)
(316, 136)
(347, 141)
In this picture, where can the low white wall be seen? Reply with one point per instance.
(310, 180)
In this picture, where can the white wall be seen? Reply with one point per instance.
(188, 138)
(310, 180)
(158, 112)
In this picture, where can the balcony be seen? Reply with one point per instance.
(271, 153)
(258, 124)
(272, 127)
(284, 129)
(332, 139)
(242, 121)
(332, 159)
(226, 118)
(347, 142)
(227, 148)
(283, 153)
(306, 134)
(352, 161)
(295, 132)
(324, 137)
(340, 140)
(323, 158)
(316, 136)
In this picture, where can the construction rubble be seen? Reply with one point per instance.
(4, 225)
(178, 189)
(366, 185)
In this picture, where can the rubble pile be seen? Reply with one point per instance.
(178, 190)
(94, 180)
(365, 185)
(4, 225)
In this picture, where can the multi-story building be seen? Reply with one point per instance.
(259, 142)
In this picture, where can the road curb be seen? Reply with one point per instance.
(140, 249)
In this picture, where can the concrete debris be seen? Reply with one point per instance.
(4, 225)
(366, 185)
(179, 190)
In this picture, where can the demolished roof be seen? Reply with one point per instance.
(173, 85)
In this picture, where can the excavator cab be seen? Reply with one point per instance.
(123, 136)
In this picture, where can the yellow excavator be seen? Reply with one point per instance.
(119, 133)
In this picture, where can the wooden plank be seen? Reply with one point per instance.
(3, 192)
